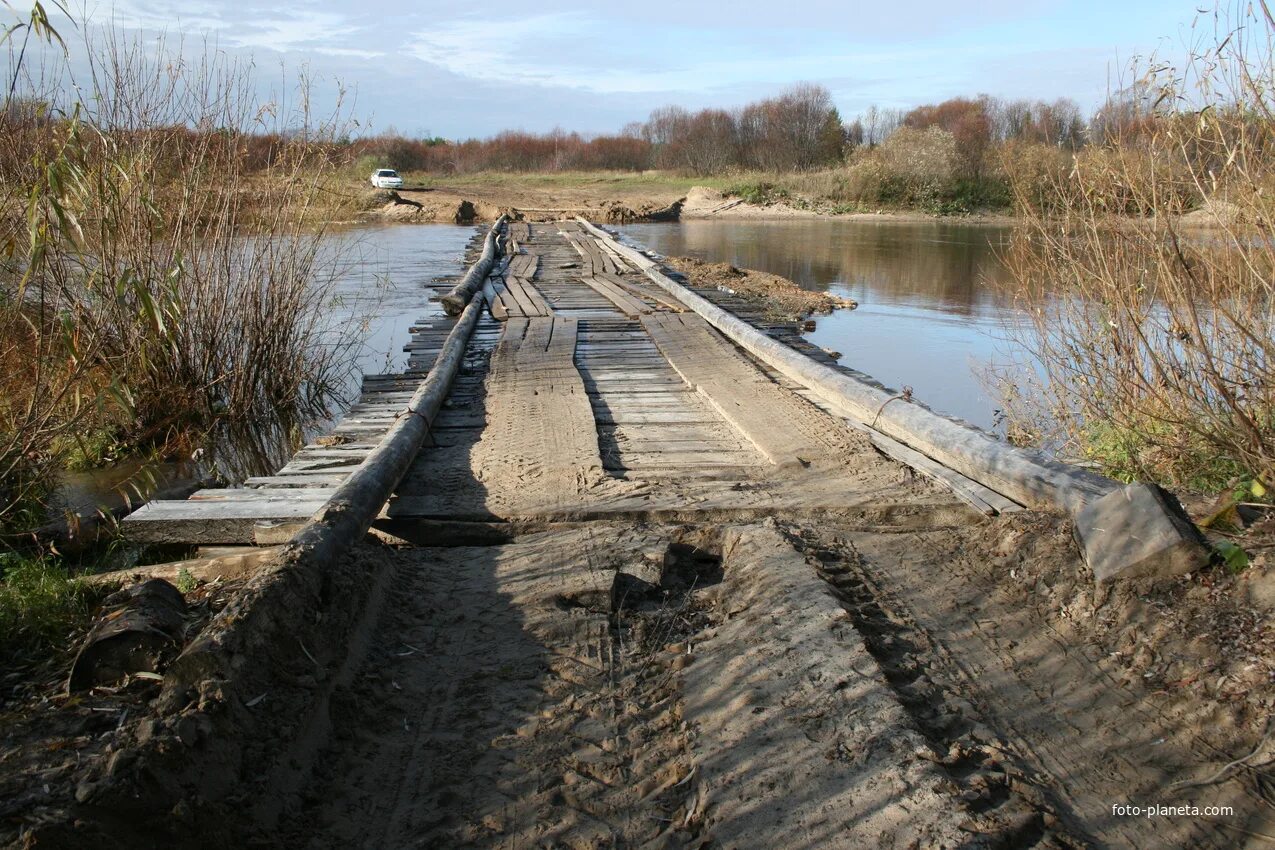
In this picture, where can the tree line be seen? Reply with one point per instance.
(798, 130)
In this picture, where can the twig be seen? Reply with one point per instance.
(1177, 786)
(308, 655)
(906, 395)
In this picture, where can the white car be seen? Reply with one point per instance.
(387, 178)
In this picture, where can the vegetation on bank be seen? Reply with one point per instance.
(948, 158)
(1146, 271)
(149, 298)
(161, 281)
(42, 608)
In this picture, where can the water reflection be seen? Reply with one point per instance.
(929, 317)
(380, 290)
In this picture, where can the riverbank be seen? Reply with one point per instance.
(652, 196)
(614, 197)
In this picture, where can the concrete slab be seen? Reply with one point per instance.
(1139, 531)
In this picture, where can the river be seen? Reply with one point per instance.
(929, 316)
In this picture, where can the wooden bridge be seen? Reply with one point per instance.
(576, 379)
(583, 389)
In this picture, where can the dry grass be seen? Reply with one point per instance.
(1157, 336)
(154, 287)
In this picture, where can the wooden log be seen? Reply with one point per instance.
(138, 631)
(454, 302)
(349, 513)
(1025, 476)
(239, 565)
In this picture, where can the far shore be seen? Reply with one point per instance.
(623, 199)
(614, 199)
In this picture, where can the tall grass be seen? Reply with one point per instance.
(152, 286)
(42, 609)
(1157, 334)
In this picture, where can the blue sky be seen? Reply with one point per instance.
(470, 70)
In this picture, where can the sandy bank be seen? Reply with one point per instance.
(781, 299)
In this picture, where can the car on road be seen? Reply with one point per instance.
(387, 178)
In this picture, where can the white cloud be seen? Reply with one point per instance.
(352, 52)
(582, 52)
(297, 28)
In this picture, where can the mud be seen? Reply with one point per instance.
(753, 684)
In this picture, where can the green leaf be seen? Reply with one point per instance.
(1233, 557)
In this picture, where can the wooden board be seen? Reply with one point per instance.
(778, 422)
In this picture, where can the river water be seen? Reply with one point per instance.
(929, 316)
(379, 289)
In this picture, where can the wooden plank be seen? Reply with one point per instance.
(624, 302)
(641, 291)
(685, 457)
(213, 522)
(495, 304)
(241, 494)
(662, 417)
(300, 480)
(776, 421)
(530, 303)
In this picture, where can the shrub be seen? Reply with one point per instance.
(152, 284)
(1157, 339)
(760, 193)
(920, 158)
(1038, 173)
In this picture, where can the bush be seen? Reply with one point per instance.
(1156, 339)
(158, 281)
(1038, 173)
(760, 193)
(920, 158)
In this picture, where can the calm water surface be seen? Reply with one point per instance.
(928, 316)
(379, 292)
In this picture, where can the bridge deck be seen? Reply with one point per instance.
(585, 391)
(643, 590)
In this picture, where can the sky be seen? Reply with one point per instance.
(470, 70)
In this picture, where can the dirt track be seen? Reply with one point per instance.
(639, 592)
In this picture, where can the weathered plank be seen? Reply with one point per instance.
(787, 429)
